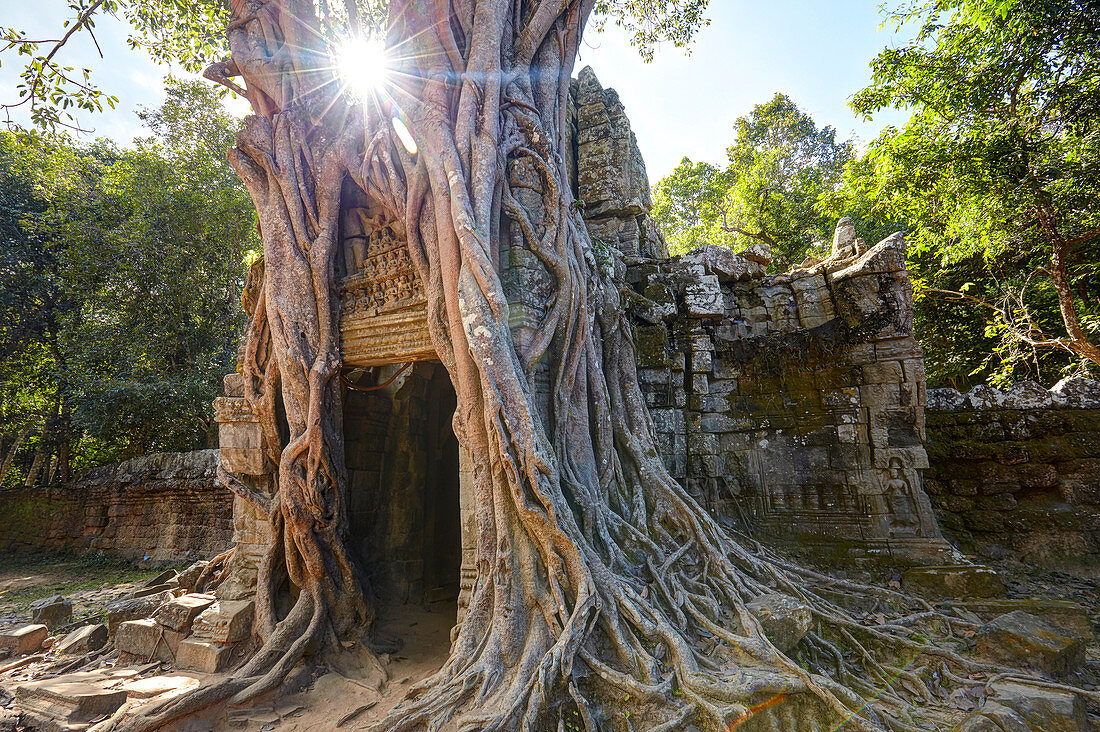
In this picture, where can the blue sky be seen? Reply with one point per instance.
(816, 52)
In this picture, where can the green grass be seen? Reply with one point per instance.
(67, 573)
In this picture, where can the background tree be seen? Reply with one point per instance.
(780, 163)
(603, 589)
(999, 164)
(122, 276)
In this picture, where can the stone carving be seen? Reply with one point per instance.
(792, 402)
(904, 519)
(384, 318)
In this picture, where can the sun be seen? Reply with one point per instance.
(363, 66)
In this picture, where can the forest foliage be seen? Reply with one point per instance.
(120, 280)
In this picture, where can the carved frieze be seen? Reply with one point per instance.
(385, 310)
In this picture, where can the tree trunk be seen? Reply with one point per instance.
(603, 590)
(18, 443)
(1079, 341)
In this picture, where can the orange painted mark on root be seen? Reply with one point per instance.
(757, 709)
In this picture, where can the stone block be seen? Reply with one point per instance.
(1078, 393)
(83, 640)
(226, 621)
(959, 581)
(179, 613)
(1019, 638)
(203, 656)
(52, 611)
(240, 438)
(147, 639)
(151, 591)
(189, 576)
(70, 702)
(159, 686)
(169, 577)
(1050, 710)
(24, 639)
(785, 619)
(703, 298)
(120, 611)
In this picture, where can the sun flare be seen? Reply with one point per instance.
(363, 66)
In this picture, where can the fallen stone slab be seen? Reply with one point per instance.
(226, 621)
(1046, 709)
(203, 656)
(178, 614)
(785, 619)
(134, 608)
(1021, 638)
(960, 581)
(52, 612)
(159, 686)
(167, 577)
(154, 590)
(24, 639)
(1065, 613)
(189, 576)
(72, 701)
(83, 640)
(146, 639)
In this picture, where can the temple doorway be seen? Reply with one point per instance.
(403, 487)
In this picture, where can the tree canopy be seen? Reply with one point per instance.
(998, 169)
(123, 271)
(780, 163)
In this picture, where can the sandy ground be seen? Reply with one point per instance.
(350, 689)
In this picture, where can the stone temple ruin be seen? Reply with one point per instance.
(791, 405)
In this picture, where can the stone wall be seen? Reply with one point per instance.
(163, 506)
(1018, 472)
(791, 404)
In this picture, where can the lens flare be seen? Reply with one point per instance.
(363, 66)
(404, 135)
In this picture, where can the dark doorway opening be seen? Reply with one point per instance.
(403, 486)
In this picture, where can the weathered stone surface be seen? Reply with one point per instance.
(945, 399)
(24, 639)
(146, 639)
(799, 407)
(133, 609)
(52, 612)
(785, 619)
(164, 687)
(1041, 709)
(160, 507)
(1028, 395)
(1078, 393)
(1019, 638)
(611, 180)
(83, 640)
(1013, 481)
(154, 591)
(168, 577)
(204, 656)
(226, 621)
(961, 581)
(189, 576)
(1063, 613)
(178, 613)
(71, 702)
